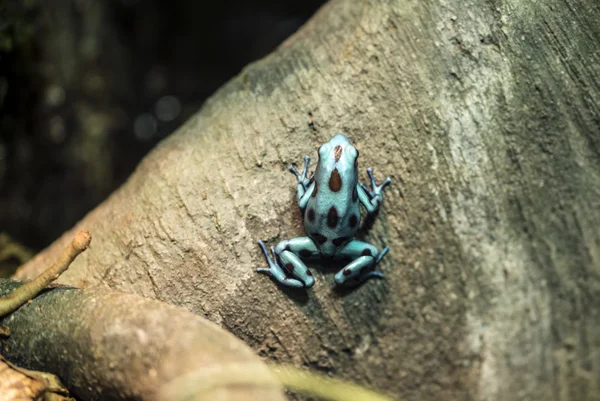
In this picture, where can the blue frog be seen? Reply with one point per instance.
(329, 201)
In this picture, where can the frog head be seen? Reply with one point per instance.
(338, 153)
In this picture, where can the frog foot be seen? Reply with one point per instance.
(377, 190)
(375, 274)
(353, 274)
(275, 271)
(302, 178)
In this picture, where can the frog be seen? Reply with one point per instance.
(330, 202)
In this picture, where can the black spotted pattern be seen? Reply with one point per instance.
(367, 252)
(332, 217)
(320, 238)
(311, 215)
(353, 221)
(305, 253)
(339, 241)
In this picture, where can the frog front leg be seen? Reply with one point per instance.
(305, 185)
(286, 261)
(364, 256)
(372, 199)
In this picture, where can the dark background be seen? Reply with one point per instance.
(87, 88)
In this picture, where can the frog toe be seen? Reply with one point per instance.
(374, 274)
(382, 254)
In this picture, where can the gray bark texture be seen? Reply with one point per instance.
(485, 114)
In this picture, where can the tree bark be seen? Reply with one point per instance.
(113, 346)
(485, 114)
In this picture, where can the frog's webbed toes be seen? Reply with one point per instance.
(306, 162)
(382, 254)
(377, 190)
(301, 177)
(293, 170)
(374, 274)
(385, 183)
(367, 190)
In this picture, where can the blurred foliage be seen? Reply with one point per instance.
(88, 87)
(16, 27)
(12, 255)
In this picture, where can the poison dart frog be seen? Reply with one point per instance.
(329, 201)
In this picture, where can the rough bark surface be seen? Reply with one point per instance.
(106, 345)
(485, 113)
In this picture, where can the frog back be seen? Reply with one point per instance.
(332, 214)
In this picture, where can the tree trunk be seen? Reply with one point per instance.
(485, 114)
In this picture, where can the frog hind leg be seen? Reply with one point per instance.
(364, 256)
(287, 262)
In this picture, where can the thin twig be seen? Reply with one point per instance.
(30, 289)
